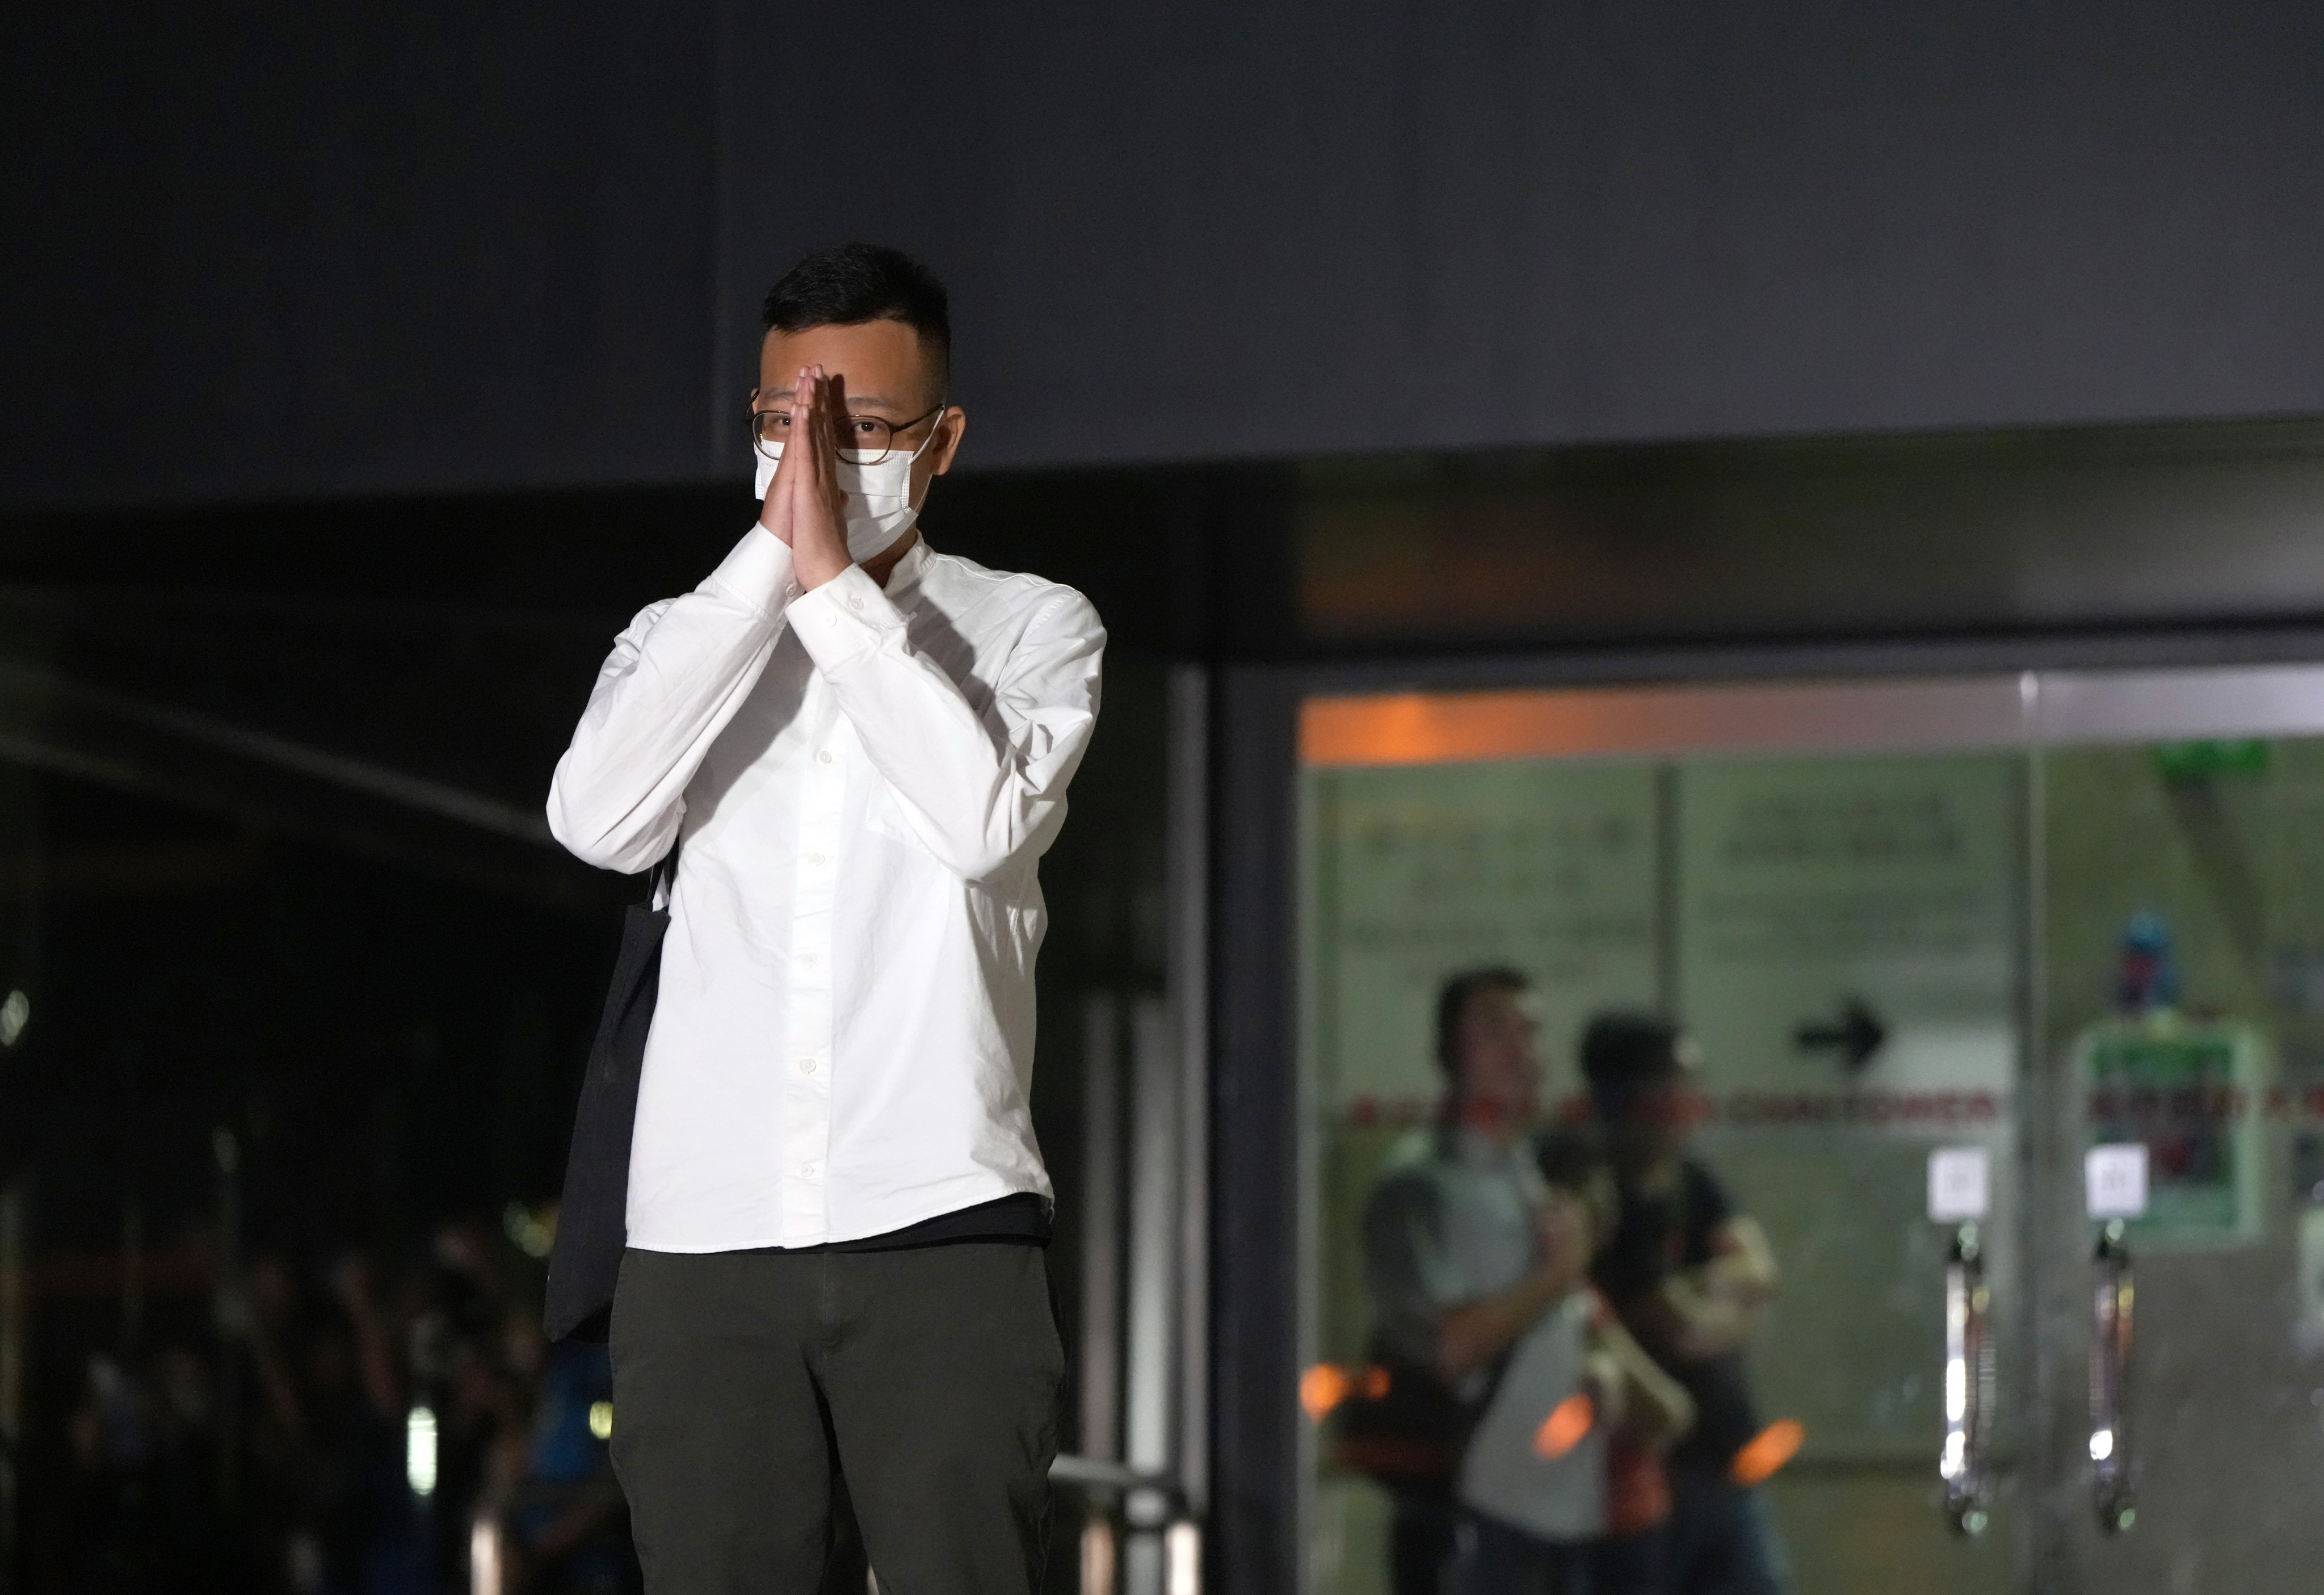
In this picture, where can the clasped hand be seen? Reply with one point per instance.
(1563, 1228)
(805, 506)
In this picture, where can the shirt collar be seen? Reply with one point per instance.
(1467, 1147)
(905, 579)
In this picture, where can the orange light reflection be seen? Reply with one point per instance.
(1321, 1389)
(1769, 1450)
(1565, 1426)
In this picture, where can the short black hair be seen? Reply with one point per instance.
(852, 283)
(1625, 1053)
(1452, 1000)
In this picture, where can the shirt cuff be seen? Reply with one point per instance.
(758, 572)
(845, 617)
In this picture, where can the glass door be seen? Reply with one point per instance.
(1838, 922)
(2182, 899)
(2008, 995)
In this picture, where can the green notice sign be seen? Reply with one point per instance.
(2181, 761)
(2190, 1093)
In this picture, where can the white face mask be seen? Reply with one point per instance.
(880, 507)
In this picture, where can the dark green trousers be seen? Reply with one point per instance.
(769, 1406)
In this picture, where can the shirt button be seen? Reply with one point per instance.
(807, 1170)
(807, 1065)
(815, 859)
(823, 757)
(853, 602)
(810, 958)
(791, 591)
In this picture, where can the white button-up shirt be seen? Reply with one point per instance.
(865, 781)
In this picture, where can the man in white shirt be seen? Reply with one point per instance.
(1465, 1250)
(835, 1309)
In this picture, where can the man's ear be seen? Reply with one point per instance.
(952, 426)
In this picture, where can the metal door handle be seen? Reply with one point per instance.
(1969, 1382)
(2113, 1482)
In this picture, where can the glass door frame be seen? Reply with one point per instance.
(1895, 699)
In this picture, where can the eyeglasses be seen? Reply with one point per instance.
(866, 438)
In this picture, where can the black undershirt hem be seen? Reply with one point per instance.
(1022, 1217)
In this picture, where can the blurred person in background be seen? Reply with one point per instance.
(330, 1510)
(317, 1495)
(454, 1309)
(567, 1529)
(1691, 1277)
(855, 749)
(262, 1318)
(1465, 1249)
(107, 1534)
(351, 1412)
(1562, 1486)
(183, 1404)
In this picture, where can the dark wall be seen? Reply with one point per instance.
(264, 250)
(1291, 229)
(422, 247)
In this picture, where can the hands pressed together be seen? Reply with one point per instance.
(1472, 1335)
(805, 506)
(1563, 1226)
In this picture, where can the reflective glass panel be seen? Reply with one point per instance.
(2183, 888)
(1842, 935)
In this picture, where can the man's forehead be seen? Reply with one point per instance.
(880, 364)
(1507, 1002)
(855, 400)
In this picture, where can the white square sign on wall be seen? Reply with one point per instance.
(1960, 1184)
(2114, 1181)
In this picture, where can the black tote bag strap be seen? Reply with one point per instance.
(592, 1216)
(663, 882)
